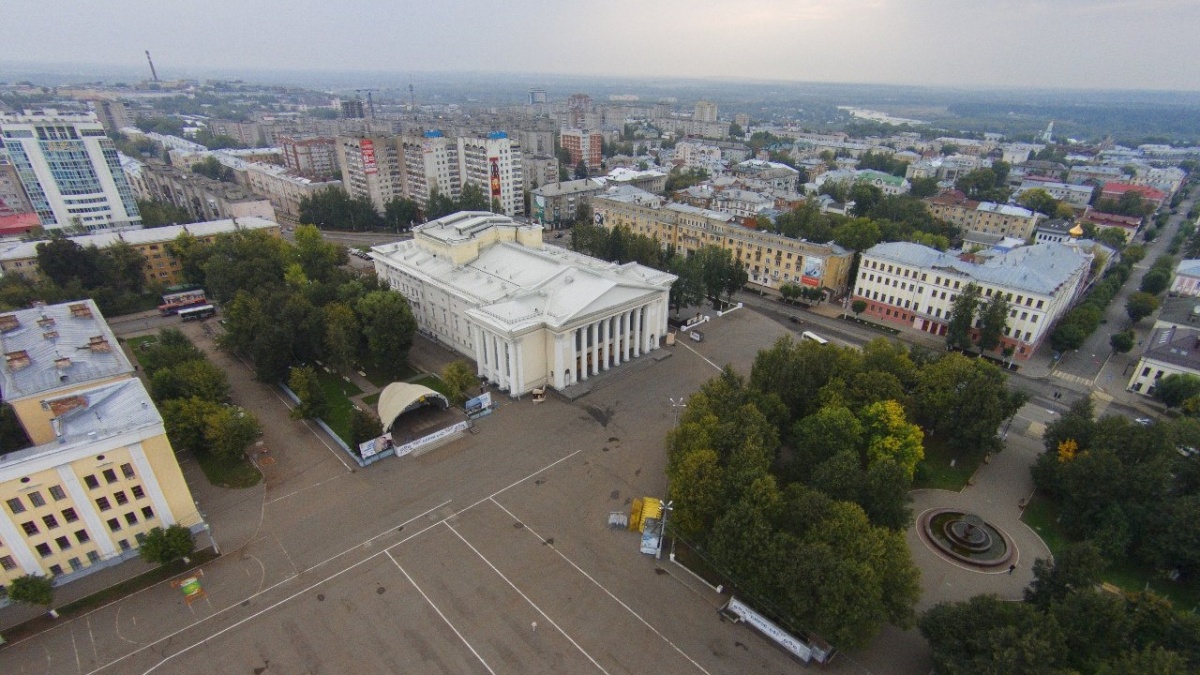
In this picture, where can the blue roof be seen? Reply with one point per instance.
(433, 133)
(497, 135)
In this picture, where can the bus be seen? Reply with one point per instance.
(809, 335)
(173, 302)
(197, 313)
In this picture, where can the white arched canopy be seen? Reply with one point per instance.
(400, 397)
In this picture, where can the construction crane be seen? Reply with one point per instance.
(412, 98)
(153, 72)
(370, 103)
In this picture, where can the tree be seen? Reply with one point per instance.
(993, 322)
(211, 168)
(317, 257)
(388, 324)
(1140, 305)
(1077, 566)
(196, 378)
(63, 261)
(472, 198)
(157, 214)
(962, 316)
(924, 187)
(1156, 281)
(460, 379)
(163, 546)
(581, 170)
(1175, 389)
(865, 197)
(736, 131)
(306, 386)
(858, 234)
(363, 427)
(1121, 343)
(185, 422)
(890, 436)
(341, 334)
(438, 205)
(32, 589)
(858, 307)
(334, 209)
(1037, 199)
(965, 400)
(228, 431)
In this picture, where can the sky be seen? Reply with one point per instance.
(1106, 44)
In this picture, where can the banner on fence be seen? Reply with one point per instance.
(402, 450)
(374, 446)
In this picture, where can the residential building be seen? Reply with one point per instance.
(12, 195)
(583, 145)
(202, 197)
(19, 258)
(372, 167)
(431, 162)
(556, 204)
(916, 286)
(778, 175)
(100, 473)
(310, 156)
(1171, 350)
(1128, 225)
(771, 260)
(1081, 173)
(537, 169)
(1077, 196)
(530, 316)
(113, 115)
(953, 207)
(886, 182)
(1115, 190)
(697, 155)
(650, 180)
(1057, 231)
(353, 110)
(1187, 279)
(493, 163)
(284, 190)
(705, 111)
(69, 170)
(536, 96)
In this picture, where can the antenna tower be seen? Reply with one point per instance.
(153, 72)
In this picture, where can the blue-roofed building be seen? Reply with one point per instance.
(915, 286)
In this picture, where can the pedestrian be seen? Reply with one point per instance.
(534, 626)
(1012, 567)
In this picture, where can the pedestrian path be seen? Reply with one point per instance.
(1074, 378)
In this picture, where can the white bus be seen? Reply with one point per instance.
(197, 313)
(807, 335)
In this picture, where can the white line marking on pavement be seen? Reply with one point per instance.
(309, 487)
(689, 348)
(601, 587)
(526, 597)
(439, 613)
(75, 648)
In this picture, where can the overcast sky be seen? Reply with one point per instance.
(1142, 44)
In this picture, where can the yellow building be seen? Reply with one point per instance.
(771, 260)
(101, 472)
(20, 258)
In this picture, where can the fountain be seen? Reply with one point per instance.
(966, 538)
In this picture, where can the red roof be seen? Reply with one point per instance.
(1113, 220)
(20, 223)
(1145, 190)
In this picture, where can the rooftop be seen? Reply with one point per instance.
(1040, 268)
(569, 187)
(1176, 345)
(23, 250)
(57, 346)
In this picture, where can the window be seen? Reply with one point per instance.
(102, 502)
(16, 505)
(127, 470)
(69, 515)
(30, 527)
(121, 498)
(110, 476)
(140, 537)
(50, 521)
(91, 482)
(131, 518)
(7, 563)
(58, 493)
(93, 557)
(124, 544)
(63, 543)
(44, 550)
(82, 536)
(147, 512)
(56, 570)
(114, 524)
(35, 498)
(76, 564)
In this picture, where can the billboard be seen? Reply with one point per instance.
(495, 175)
(539, 208)
(367, 148)
(375, 446)
(814, 271)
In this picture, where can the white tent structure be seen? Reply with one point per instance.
(400, 397)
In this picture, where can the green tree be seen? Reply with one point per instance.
(228, 431)
(962, 317)
(211, 168)
(401, 213)
(389, 325)
(184, 420)
(1039, 200)
(858, 307)
(195, 378)
(304, 383)
(317, 257)
(63, 260)
(334, 209)
(890, 436)
(858, 234)
(363, 427)
(736, 131)
(924, 187)
(965, 400)
(157, 214)
(1121, 343)
(992, 323)
(472, 198)
(1077, 566)
(581, 170)
(1156, 281)
(1175, 389)
(438, 205)
(32, 589)
(341, 334)
(1140, 305)
(163, 546)
(460, 379)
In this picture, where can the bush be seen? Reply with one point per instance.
(32, 590)
(162, 546)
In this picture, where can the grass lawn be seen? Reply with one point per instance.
(372, 399)
(435, 383)
(376, 377)
(135, 343)
(1042, 516)
(228, 473)
(935, 470)
(337, 395)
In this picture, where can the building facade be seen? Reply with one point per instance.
(558, 203)
(372, 168)
(493, 163)
(100, 473)
(430, 163)
(1187, 279)
(583, 146)
(69, 170)
(916, 286)
(1171, 350)
(530, 316)
(310, 156)
(202, 197)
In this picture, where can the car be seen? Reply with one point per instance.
(558, 235)
(794, 319)
(1144, 421)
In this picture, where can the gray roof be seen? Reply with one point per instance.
(49, 334)
(22, 250)
(1189, 268)
(1041, 268)
(1176, 345)
(1181, 311)
(569, 187)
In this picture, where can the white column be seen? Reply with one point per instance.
(605, 349)
(153, 490)
(652, 326)
(614, 355)
(619, 343)
(558, 362)
(628, 333)
(594, 332)
(518, 366)
(25, 556)
(86, 508)
(489, 359)
(581, 372)
(637, 332)
(476, 344)
(500, 369)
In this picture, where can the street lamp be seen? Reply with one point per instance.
(663, 533)
(677, 403)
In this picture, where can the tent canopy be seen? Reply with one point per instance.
(400, 397)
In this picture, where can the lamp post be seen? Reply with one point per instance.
(677, 403)
(663, 533)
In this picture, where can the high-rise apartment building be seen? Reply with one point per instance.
(583, 145)
(494, 164)
(372, 167)
(113, 115)
(12, 195)
(310, 156)
(537, 96)
(706, 111)
(353, 110)
(100, 473)
(69, 169)
(431, 162)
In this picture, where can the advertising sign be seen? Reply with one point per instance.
(374, 446)
(769, 629)
(367, 148)
(814, 271)
(479, 403)
(402, 450)
(539, 208)
(495, 174)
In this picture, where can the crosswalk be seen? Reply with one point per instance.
(1074, 378)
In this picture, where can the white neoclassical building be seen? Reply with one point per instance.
(530, 316)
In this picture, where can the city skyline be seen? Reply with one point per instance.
(1102, 44)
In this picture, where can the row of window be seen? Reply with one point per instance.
(8, 564)
(939, 281)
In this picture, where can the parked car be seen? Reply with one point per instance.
(1144, 421)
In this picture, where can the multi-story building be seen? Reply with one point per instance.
(536, 96)
(916, 286)
(583, 146)
(19, 258)
(1078, 196)
(113, 115)
(771, 260)
(530, 316)
(705, 111)
(1003, 219)
(372, 167)
(431, 162)
(69, 170)
(1171, 350)
(557, 203)
(650, 180)
(310, 156)
(494, 164)
(538, 169)
(1116, 190)
(1187, 279)
(202, 197)
(778, 175)
(12, 195)
(100, 473)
